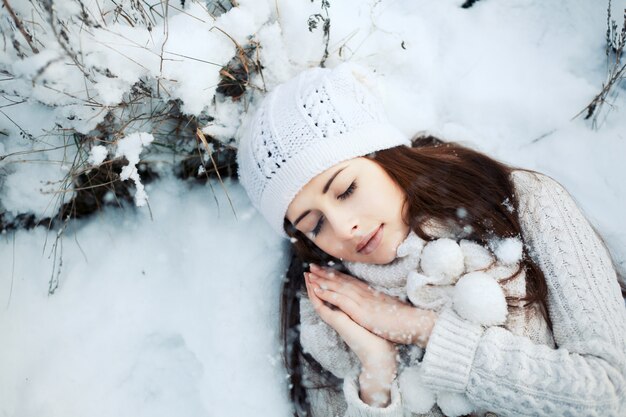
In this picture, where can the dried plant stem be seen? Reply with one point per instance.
(616, 71)
(600, 99)
(166, 33)
(20, 27)
(202, 138)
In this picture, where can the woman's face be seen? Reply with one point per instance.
(352, 211)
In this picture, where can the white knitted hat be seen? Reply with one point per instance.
(305, 126)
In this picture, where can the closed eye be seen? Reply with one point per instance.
(318, 227)
(349, 191)
(343, 196)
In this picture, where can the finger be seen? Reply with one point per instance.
(333, 274)
(317, 303)
(344, 288)
(339, 300)
(326, 313)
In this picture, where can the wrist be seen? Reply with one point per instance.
(378, 370)
(375, 385)
(423, 323)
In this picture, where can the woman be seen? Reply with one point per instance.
(321, 162)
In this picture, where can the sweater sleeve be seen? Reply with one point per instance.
(323, 343)
(510, 375)
(330, 351)
(330, 401)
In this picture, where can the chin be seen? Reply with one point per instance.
(384, 254)
(387, 259)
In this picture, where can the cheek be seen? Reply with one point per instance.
(379, 202)
(333, 247)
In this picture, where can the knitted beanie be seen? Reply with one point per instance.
(303, 127)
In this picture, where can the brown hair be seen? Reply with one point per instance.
(457, 186)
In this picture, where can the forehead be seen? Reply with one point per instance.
(315, 186)
(305, 198)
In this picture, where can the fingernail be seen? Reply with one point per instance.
(314, 267)
(317, 289)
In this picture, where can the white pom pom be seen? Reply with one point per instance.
(476, 256)
(416, 396)
(479, 298)
(415, 281)
(426, 296)
(443, 259)
(454, 404)
(412, 245)
(509, 250)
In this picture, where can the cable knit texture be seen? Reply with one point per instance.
(518, 369)
(512, 376)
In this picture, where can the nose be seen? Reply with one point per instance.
(345, 224)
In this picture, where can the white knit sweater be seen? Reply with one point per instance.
(515, 370)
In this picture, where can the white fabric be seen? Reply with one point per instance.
(305, 126)
(517, 370)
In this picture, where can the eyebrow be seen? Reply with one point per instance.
(330, 180)
(326, 187)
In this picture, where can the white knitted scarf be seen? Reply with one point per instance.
(391, 278)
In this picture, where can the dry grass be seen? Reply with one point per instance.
(616, 70)
(178, 140)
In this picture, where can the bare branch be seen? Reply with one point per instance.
(20, 27)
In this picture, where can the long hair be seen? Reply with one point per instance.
(463, 189)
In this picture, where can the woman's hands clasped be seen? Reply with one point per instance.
(371, 323)
(376, 354)
(381, 314)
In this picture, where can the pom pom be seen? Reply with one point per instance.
(454, 404)
(426, 296)
(416, 396)
(415, 281)
(509, 250)
(443, 259)
(500, 272)
(476, 256)
(479, 298)
(412, 245)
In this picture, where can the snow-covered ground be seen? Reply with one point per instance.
(174, 316)
(175, 312)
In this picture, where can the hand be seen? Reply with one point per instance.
(381, 314)
(368, 347)
(376, 354)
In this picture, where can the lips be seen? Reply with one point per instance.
(371, 241)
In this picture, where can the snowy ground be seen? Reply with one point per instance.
(163, 317)
(177, 314)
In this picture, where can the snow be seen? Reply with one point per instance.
(97, 154)
(152, 317)
(130, 147)
(228, 116)
(178, 315)
(509, 250)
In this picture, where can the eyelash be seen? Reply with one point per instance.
(349, 191)
(343, 196)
